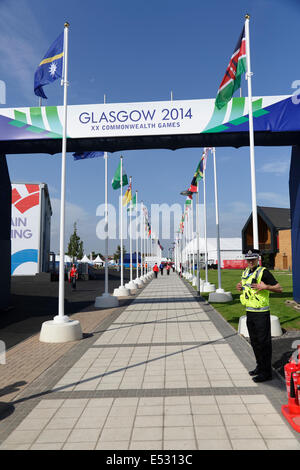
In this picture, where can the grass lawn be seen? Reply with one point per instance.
(232, 311)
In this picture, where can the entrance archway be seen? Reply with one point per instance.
(170, 125)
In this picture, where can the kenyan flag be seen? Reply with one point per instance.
(232, 78)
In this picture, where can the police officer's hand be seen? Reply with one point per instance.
(260, 286)
(239, 286)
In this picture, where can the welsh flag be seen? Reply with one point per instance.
(232, 78)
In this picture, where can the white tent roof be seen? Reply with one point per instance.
(85, 259)
(226, 244)
(98, 260)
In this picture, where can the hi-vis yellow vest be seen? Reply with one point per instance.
(255, 301)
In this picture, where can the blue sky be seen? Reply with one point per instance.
(139, 51)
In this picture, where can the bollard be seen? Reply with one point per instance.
(291, 411)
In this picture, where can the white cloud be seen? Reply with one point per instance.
(278, 200)
(86, 226)
(276, 168)
(20, 33)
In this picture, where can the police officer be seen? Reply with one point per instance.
(255, 286)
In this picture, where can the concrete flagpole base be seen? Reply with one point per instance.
(132, 287)
(275, 326)
(106, 301)
(61, 331)
(121, 292)
(208, 287)
(220, 296)
(139, 283)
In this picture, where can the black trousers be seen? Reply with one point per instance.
(259, 328)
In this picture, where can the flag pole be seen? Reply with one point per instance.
(217, 220)
(121, 220)
(205, 224)
(106, 226)
(219, 295)
(130, 232)
(62, 329)
(197, 235)
(136, 235)
(142, 240)
(106, 300)
(61, 317)
(193, 252)
(251, 137)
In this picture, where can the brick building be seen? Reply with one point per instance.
(274, 235)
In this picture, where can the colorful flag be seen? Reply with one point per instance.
(132, 205)
(188, 202)
(127, 196)
(116, 182)
(198, 175)
(232, 78)
(84, 155)
(51, 67)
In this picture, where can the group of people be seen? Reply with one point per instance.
(161, 267)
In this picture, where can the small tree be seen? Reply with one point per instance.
(117, 254)
(75, 246)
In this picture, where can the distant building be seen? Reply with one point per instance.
(274, 236)
(231, 256)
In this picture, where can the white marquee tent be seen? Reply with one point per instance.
(230, 249)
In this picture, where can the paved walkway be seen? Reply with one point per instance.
(164, 373)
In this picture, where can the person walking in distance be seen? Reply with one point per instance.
(155, 269)
(73, 276)
(168, 269)
(161, 267)
(255, 286)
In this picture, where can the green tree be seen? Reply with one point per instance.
(117, 254)
(75, 246)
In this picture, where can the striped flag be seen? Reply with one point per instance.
(232, 78)
(127, 196)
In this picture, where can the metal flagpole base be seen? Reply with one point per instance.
(121, 292)
(220, 296)
(60, 331)
(106, 301)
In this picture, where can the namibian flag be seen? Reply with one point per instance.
(232, 78)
